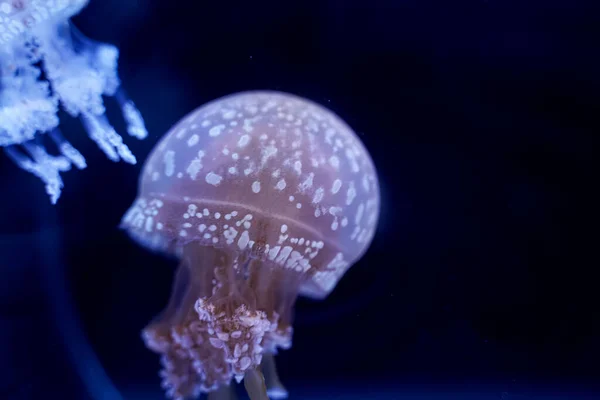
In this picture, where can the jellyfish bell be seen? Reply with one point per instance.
(262, 196)
(45, 62)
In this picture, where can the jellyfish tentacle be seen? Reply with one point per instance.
(178, 291)
(133, 116)
(41, 164)
(179, 379)
(275, 388)
(67, 149)
(232, 289)
(105, 136)
(254, 382)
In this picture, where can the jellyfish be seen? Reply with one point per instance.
(45, 63)
(262, 197)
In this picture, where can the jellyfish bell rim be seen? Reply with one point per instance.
(168, 243)
(171, 245)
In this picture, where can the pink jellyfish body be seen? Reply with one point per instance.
(262, 196)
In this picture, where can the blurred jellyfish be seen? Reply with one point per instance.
(262, 196)
(45, 61)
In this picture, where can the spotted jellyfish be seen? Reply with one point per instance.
(45, 62)
(262, 196)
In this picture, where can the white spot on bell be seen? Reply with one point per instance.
(193, 140)
(281, 184)
(213, 178)
(169, 160)
(216, 130)
(337, 184)
(244, 140)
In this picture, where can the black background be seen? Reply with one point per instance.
(480, 117)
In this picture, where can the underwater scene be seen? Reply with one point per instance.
(374, 200)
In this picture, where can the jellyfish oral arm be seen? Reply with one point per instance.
(47, 63)
(254, 382)
(226, 309)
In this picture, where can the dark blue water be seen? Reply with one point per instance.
(481, 118)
